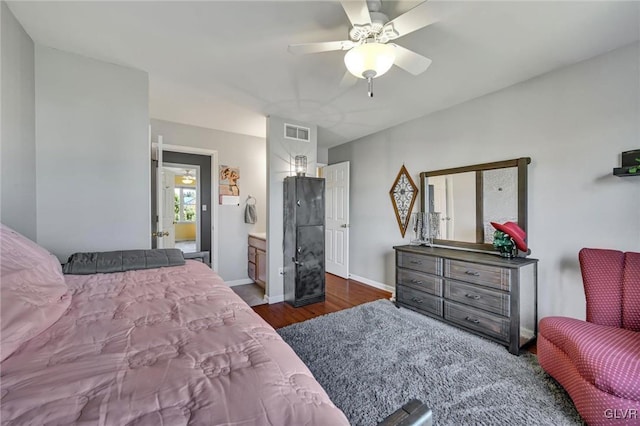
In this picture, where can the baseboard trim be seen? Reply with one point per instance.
(274, 299)
(372, 283)
(239, 282)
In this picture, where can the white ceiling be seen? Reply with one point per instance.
(225, 65)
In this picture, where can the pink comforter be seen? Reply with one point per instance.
(166, 346)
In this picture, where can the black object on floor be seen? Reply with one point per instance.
(413, 413)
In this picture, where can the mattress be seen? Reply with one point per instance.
(166, 346)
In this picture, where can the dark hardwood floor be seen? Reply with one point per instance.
(340, 294)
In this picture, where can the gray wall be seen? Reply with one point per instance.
(573, 123)
(281, 153)
(18, 127)
(246, 152)
(93, 156)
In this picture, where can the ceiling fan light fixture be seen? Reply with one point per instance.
(369, 60)
(187, 179)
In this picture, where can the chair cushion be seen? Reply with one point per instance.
(631, 292)
(607, 357)
(602, 277)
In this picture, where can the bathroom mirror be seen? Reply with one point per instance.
(463, 201)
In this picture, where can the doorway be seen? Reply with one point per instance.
(182, 206)
(172, 155)
(202, 163)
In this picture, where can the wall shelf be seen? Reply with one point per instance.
(628, 160)
(623, 172)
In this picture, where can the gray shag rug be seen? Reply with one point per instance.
(374, 358)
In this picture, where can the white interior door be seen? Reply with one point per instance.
(337, 219)
(165, 229)
(168, 209)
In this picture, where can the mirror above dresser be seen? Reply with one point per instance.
(463, 201)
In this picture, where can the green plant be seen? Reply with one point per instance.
(504, 244)
(635, 169)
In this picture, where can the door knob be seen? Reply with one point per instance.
(345, 225)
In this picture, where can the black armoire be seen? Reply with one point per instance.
(303, 240)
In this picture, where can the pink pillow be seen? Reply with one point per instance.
(33, 293)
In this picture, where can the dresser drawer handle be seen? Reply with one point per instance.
(475, 274)
(472, 296)
(416, 262)
(417, 300)
(473, 320)
(414, 281)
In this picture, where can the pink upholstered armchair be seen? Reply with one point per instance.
(598, 361)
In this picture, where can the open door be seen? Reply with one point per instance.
(162, 229)
(337, 219)
(168, 239)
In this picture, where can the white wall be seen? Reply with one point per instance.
(280, 154)
(92, 151)
(246, 152)
(323, 155)
(18, 127)
(573, 123)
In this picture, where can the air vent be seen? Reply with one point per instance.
(296, 132)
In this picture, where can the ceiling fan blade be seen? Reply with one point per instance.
(326, 46)
(357, 11)
(410, 61)
(416, 18)
(348, 80)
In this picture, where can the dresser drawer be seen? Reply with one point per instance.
(419, 281)
(475, 319)
(490, 276)
(419, 300)
(478, 297)
(429, 264)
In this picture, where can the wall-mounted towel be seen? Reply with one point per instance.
(250, 215)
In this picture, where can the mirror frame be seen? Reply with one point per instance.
(520, 163)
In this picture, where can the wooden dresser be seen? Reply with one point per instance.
(482, 293)
(257, 264)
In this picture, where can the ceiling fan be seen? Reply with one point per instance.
(370, 53)
(187, 179)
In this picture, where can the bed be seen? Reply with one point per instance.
(163, 346)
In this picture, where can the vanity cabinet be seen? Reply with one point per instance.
(482, 293)
(257, 265)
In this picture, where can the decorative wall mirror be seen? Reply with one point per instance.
(463, 201)
(403, 194)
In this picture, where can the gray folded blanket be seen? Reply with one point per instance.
(120, 261)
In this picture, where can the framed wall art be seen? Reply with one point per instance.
(403, 195)
(228, 189)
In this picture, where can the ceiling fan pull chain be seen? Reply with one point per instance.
(370, 86)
